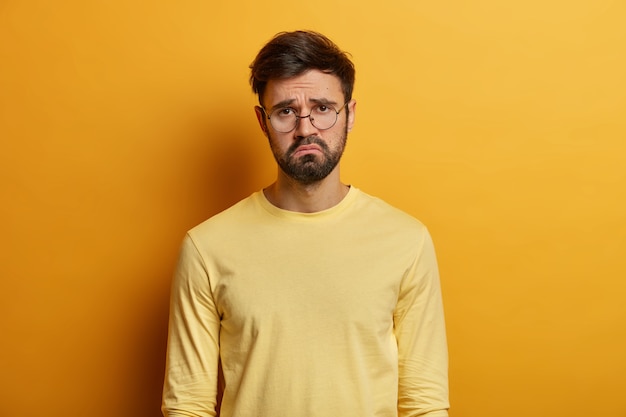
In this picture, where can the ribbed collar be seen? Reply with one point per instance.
(259, 198)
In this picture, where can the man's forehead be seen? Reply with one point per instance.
(313, 84)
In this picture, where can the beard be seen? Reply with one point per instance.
(310, 168)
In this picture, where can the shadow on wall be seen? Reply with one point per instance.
(225, 164)
(218, 166)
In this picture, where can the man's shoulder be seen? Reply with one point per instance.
(229, 217)
(377, 207)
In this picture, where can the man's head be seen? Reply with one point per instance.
(290, 54)
(304, 82)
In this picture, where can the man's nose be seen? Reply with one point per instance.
(304, 126)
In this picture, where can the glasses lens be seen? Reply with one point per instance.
(323, 117)
(284, 120)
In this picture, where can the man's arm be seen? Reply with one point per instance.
(420, 332)
(190, 387)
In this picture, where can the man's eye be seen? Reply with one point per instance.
(322, 108)
(285, 112)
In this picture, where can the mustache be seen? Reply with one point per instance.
(309, 140)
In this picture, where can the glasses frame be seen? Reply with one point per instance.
(298, 117)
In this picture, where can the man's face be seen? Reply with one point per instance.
(307, 154)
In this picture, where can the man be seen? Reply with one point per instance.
(309, 298)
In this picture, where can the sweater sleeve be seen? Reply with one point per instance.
(191, 375)
(420, 333)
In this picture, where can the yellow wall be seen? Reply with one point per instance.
(500, 124)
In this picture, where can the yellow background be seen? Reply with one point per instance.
(500, 124)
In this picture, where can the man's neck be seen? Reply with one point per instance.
(291, 195)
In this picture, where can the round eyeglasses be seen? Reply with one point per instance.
(285, 119)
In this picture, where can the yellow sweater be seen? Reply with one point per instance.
(329, 314)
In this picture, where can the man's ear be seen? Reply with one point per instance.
(351, 114)
(260, 116)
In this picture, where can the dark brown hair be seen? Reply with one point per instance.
(290, 54)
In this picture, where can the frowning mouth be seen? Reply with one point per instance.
(308, 146)
(305, 149)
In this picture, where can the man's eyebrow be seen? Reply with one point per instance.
(323, 101)
(283, 103)
(289, 101)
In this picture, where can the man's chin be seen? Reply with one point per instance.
(306, 159)
(307, 173)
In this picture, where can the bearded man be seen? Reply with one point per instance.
(309, 298)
